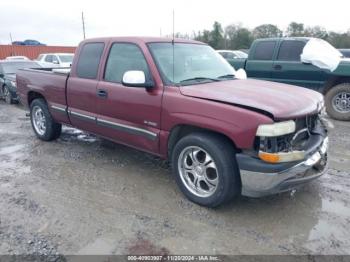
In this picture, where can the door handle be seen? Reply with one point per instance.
(277, 67)
(102, 93)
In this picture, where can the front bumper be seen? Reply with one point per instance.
(260, 178)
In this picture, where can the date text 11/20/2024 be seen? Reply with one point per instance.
(173, 258)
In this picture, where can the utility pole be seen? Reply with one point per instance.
(83, 20)
(13, 51)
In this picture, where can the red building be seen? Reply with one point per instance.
(32, 52)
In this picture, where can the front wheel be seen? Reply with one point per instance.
(338, 102)
(7, 95)
(205, 169)
(45, 128)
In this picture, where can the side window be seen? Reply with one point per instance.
(54, 59)
(290, 50)
(48, 58)
(89, 60)
(124, 57)
(264, 50)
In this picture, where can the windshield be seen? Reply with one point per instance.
(193, 63)
(66, 58)
(11, 68)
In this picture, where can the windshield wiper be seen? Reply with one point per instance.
(199, 79)
(227, 76)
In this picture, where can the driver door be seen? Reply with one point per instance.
(129, 115)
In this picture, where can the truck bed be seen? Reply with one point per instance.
(50, 83)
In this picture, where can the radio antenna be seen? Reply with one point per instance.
(83, 21)
(173, 44)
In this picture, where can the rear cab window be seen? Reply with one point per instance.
(290, 50)
(89, 60)
(264, 50)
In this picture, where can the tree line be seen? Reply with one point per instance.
(236, 36)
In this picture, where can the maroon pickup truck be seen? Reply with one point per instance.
(180, 100)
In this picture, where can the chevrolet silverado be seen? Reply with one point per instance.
(180, 100)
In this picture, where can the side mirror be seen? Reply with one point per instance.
(135, 78)
(55, 62)
(2, 75)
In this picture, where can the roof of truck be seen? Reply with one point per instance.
(303, 38)
(140, 39)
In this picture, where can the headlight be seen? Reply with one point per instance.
(276, 129)
(13, 83)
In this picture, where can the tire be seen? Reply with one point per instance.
(7, 95)
(336, 106)
(39, 110)
(226, 175)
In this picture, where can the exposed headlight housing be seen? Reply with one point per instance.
(276, 129)
(13, 83)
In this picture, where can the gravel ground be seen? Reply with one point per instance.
(84, 195)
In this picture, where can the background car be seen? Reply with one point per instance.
(8, 70)
(232, 54)
(17, 58)
(27, 42)
(345, 52)
(17, 43)
(55, 59)
(245, 51)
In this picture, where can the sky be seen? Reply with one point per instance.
(60, 23)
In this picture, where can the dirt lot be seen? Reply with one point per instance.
(84, 195)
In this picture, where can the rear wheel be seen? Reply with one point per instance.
(338, 102)
(205, 169)
(43, 124)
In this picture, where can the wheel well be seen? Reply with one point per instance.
(335, 81)
(34, 95)
(181, 131)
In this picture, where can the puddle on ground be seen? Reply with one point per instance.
(70, 134)
(9, 159)
(335, 207)
(10, 149)
(100, 246)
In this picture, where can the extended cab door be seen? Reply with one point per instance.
(129, 115)
(82, 86)
(260, 60)
(289, 69)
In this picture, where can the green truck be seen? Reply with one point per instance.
(281, 60)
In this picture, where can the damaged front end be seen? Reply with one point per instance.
(293, 143)
(285, 155)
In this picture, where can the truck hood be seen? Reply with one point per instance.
(280, 100)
